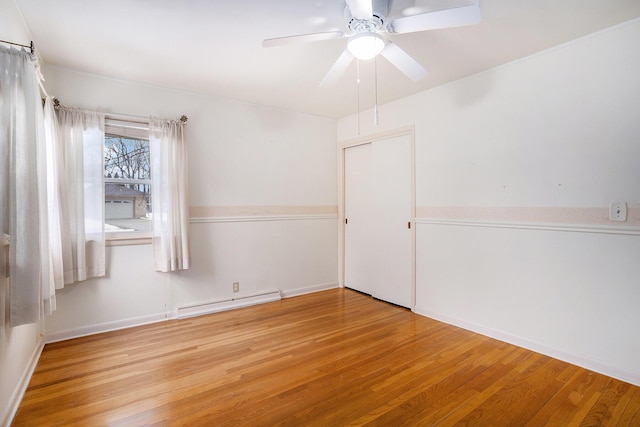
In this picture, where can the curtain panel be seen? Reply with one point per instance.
(23, 191)
(58, 207)
(81, 150)
(169, 194)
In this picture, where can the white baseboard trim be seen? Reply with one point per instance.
(106, 327)
(248, 300)
(584, 362)
(309, 289)
(228, 304)
(21, 387)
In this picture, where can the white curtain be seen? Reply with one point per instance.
(81, 141)
(23, 191)
(169, 196)
(58, 206)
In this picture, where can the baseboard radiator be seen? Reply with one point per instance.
(228, 304)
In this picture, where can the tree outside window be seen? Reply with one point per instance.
(128, 206)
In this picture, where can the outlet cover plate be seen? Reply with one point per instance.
(618, 211)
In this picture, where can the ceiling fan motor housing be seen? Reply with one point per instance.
(380, 9)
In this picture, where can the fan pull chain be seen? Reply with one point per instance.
(376, 118)
(358, 88)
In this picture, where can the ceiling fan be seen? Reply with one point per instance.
(367, 21)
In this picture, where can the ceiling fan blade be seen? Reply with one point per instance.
(457, 17)
(302, 38)
(360, 9)
(337, 69)
(404, 62)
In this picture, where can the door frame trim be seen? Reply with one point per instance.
(342, 146)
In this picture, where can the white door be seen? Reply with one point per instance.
(378, 210)
(358, 199)
(392, 248)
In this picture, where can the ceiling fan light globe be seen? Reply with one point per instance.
(365, 45)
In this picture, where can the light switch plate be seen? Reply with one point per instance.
(618, 211)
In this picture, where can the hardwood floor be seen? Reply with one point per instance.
(331, 358)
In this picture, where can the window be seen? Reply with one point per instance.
(127, 181)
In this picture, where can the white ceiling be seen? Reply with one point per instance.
(214, 46)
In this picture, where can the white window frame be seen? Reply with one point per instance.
(123, 126)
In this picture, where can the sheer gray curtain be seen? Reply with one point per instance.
(23, 189)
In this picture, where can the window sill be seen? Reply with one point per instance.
(127, 239)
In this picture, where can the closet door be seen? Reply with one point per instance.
(358, 205)
(390, 236)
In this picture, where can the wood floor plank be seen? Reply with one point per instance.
(329, 358)
(602, 411)
(631, 415)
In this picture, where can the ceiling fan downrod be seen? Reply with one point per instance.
(373, 23)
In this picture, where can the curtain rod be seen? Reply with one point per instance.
(130, 117)
(30, 45)
(42, 89)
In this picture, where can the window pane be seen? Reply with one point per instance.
(126, 158)
(127, 204)
(127, 207)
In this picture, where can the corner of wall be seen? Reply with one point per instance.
(23, 383)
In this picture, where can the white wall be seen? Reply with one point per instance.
(263, 197)
(515, 168)
(20, 346)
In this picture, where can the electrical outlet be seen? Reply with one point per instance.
(236, 286)
(618, 211)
